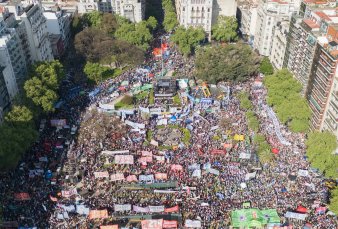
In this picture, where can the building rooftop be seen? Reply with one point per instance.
(311, 24)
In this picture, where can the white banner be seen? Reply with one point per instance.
(153, 142)
(146, 178)
(122, 207)
(193, 223)
(101, 174)
(295, 215)
(162, 122)
(117, 177)
(124, 159)
(303, 173)
(135, 125)
(107, 152)
(213, 171)
(196, 173)
(69, 193)
(164, 191)
(214, 128)
(144, 109)
(194, 166)
(155, 111)
(156, 208)
(249, 176)
(82, 209)
(160, 158)
(107, 106)
(244, 156)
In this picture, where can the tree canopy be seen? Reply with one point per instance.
(19, 114)
(334, 201)
(284, 96)
(234, 63)
(225, 29)
(266, 67)
(96, 72)
(170, 19)
(320, 148)
(188, 39)
(42, 87)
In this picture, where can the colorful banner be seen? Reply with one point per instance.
(176, 167)
(147, 154)
(218, 151)
(131, 178)
(169, 224)
(101, 174)
(122, 207)
(145, 159)
(115, 226)
(161, 176)
(246, 218)
(152, 224)
(172, 209)
(124, 159)
(67, 194)
(22, 196)
(117, 177)
(58, 122)
(98, 214)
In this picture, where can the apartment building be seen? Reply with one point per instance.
(87, 6)
(203, 13)
(279, 44)
(134, 10)
(58, 27)
(247, 15)
(312, 56)
(105, 6)
(269, 14)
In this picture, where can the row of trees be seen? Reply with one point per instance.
(18, 132)
(230, 62)
(284, 96)
(170, 20)
(187, 39)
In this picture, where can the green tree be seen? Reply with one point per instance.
(334, 201)
(225, 29)
(284, 96)
(170, 19)
(152, 23)
(188, 39)
(266, 67)
(93, 18)
(234, 63)
(20, 114)
(44, 83)
(320, 148)
(95, 72)
(266, 156)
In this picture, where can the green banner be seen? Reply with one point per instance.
(253, 217)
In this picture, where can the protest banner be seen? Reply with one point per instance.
(122, 207)
(172, 209)
(153, 142)
(135, 125)
(193, 223)
(165, 191)
(22, 196)
(249, 176)
(115, 226)
(169, 224)
(140, 209)
(69, 193)
(147, 154)
(82, 209)
(152, 224)
(131, 178)
(156, 208)
(294, 215)
(213, 171)
(98, 214)
(124, 159)
(58, 122)
(110, 153)
(117, 177)
(176, 168)
(101, 174)
(218, 151)
(196, 173)
(194, 166)
(144, 109)
(244, 156)
(303, 173)
(146, 178)
(160, 159)
(145, 159)
(161, 176)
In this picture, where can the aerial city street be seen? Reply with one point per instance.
(160, 114)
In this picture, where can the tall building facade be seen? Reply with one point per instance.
(134, 10)
(312, 56)
(203, 13)
(247, 15)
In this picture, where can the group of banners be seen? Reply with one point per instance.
(152, 209)
(131, 178)
(158, 224)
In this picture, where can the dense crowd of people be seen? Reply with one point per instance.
(206, 176)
